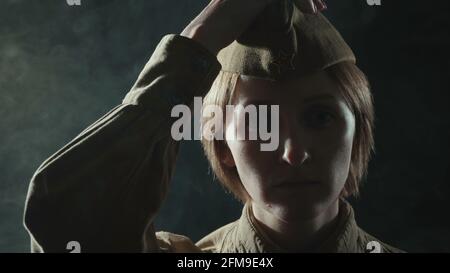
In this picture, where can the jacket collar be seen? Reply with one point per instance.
(249, 237)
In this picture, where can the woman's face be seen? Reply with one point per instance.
(308, 170)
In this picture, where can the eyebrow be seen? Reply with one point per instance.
(319, 98)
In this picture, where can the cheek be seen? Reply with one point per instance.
(253, 166)
(335, 154)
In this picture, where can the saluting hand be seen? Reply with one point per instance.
(222, 21)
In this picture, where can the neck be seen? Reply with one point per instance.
(297, 235)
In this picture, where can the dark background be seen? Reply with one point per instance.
(63, 67)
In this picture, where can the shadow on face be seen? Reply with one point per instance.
(308, 169)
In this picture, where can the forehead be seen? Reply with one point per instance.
(319, 84)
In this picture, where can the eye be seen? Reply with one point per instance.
(318, 118)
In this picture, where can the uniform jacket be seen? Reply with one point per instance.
(104, 188)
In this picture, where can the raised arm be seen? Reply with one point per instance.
(104, 188)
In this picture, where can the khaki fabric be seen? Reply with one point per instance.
(283, 42)
(105, 187)
(245, 236)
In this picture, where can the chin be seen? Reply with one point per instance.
(291, 207)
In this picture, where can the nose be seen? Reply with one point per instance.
(294, 151)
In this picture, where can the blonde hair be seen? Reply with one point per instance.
(355, 89)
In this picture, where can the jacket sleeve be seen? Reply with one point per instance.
(104, 188)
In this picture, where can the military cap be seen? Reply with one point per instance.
(282, 42)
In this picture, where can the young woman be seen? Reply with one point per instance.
(105, 187)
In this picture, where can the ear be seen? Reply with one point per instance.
(227, 156)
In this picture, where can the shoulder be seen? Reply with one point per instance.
(175, 243)
(369, 243)
(214, 241)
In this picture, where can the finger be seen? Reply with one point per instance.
(320, 4)
(306, 6)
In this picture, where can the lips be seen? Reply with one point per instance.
(297, 183)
